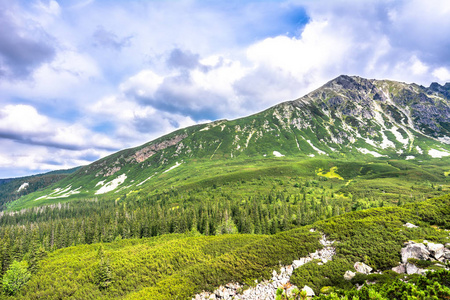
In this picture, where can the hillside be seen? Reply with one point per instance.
(349, 118)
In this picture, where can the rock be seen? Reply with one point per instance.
(415, 250)
(212, 297)
(300, 262)
(447, 245)
(413, 269)
(401, 269)
(349, 275)
(409, 225)
(362, 268)
(447, 253)
(309, 291)
(437, 250)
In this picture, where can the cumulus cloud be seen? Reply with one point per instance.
(24, 124)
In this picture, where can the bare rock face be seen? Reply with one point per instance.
(415, 250)
(144, 153)
(362, 268)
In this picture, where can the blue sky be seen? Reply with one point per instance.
(82, 79)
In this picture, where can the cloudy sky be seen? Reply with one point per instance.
(80, 79)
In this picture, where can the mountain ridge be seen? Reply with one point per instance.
(348, 118)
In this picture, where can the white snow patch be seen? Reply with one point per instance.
(61, 193)
(399, 136)
(445, 139)
(23, 186)
(400, 151)
(66, 193)
(277, 154)
(437, 154)
(298, 146)
(311, 155)
(419, 150)
(370, 142)
(112, 185)
(248, 139)
(315, 148)
(100, 183)
(410, 157)
(204, 128)
(386, 143)
(366, 151)
(173, 167)
(145, 180)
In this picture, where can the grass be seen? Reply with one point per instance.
(378, 178)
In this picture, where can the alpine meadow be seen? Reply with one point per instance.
(343, 193)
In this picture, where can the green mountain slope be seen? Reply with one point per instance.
(349, 118)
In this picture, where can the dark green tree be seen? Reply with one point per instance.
(103, 276)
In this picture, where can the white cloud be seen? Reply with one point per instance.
(442, 74)
(22, 119)
(25, 124)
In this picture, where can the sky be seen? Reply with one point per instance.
(81, 79)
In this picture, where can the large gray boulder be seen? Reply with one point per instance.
(437, 250)
(415, 250)
(362, 268)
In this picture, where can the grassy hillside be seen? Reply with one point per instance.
(370, 179)
(178, 266)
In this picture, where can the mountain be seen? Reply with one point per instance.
(353, 175)
(349, 118)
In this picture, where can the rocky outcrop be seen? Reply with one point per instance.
(146, 152)
(421, 251)
(415, 250)
(267, 289)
